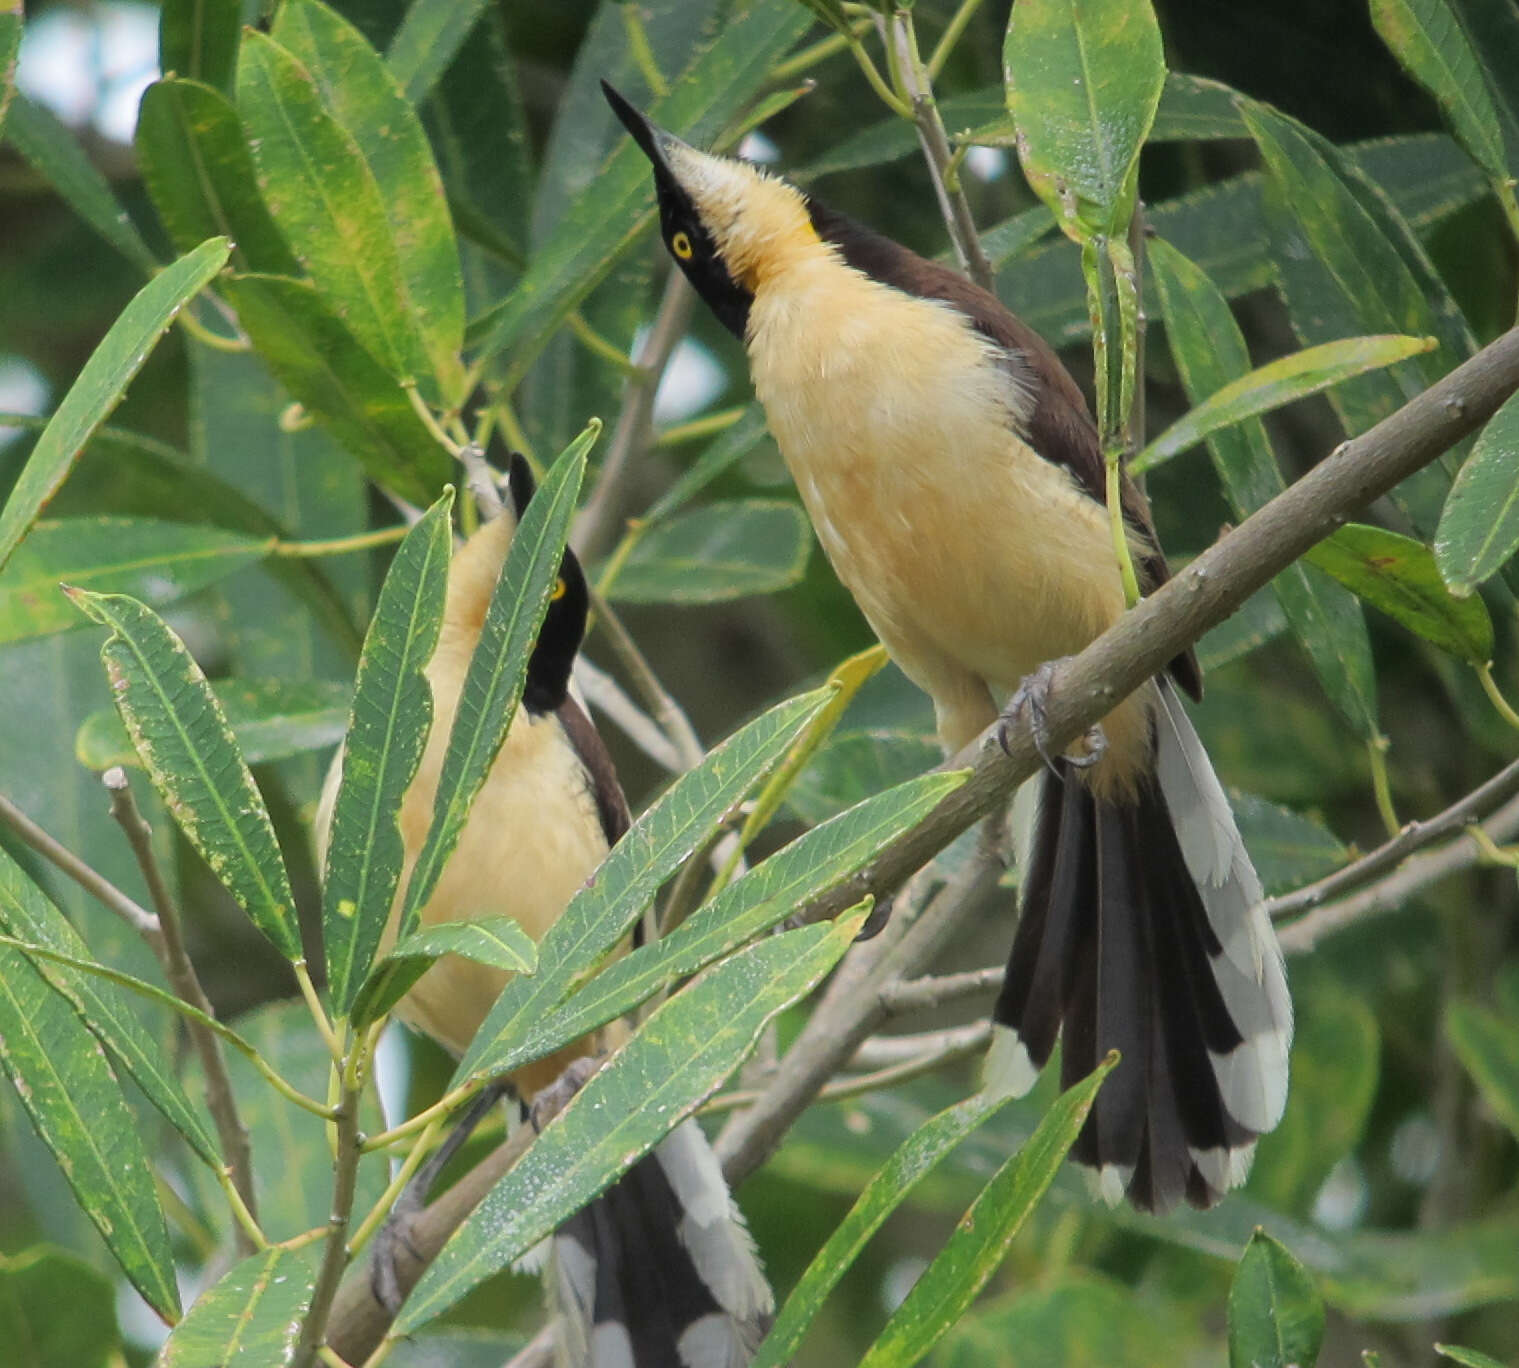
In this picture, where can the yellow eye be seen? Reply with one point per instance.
(680, 244)
(559, 590)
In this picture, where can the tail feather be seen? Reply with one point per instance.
(659, 1271)
(1142, 930)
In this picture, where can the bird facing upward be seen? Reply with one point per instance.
(954, 478)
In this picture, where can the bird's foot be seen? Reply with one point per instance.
(393, 1246)
(1033, 696)
(550, 1101)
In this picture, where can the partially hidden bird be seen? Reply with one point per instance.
(659, 1271)
(954, 477)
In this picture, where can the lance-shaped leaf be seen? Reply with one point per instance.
(1488, 1047)
(1276, 1317)
(600, 914)
(10, 45)
(913, 1161)
(427, 40)
(55, 154)
(78, 1110)
(197, 168)
(1348, 263)
(767, 894)
(1279, 382)
(973, 1252)
(1468, 1358)
(250, 1318)
(678, 1058)
(198, 39)
(322, 364)
(1428, 39)
(327, 203)
(361, 94)
(606, 217)
(100, 385)
(182, 735)
(721, 454)
(719, 552)
(1083, 83)
(271, 719)
(497, 670)
(499, 942)
(1399, 576)
(392, 715)
(1479, 526)
(1210, 353)
(26, 914)
(156, 562)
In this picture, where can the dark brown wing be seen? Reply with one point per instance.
(1060, 428)
(591, 750)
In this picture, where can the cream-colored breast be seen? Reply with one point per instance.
(968, 552)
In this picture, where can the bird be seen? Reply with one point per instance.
(660, 1270)
(954, 477)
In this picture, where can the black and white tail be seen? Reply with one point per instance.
(1143, 930)
(659, 1271)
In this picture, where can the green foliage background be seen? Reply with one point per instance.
(1392, 1178)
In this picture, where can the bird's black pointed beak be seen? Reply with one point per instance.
(649, 136)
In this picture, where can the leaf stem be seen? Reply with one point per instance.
(424, 411)
(1381, 785)
(642, 53)
(237, 1148)
(424, 1118)
(951, 36)
(318, 1012)
(1495, 695)
(206, 337)
(403, 1176)
(339, 546)
(709, 425)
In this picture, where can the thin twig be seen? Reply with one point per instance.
(916, 995)
(169, 943)
(1484, 798)
(1414, 875)
(96, 885)
(882, 1051)
(480, 480)
(662, 706)
(596, 526)
(606, 695)
(347, 1153)
(901, 39)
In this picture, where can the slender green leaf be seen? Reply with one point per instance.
(1488, 1047)
(721, 455)
(499, 942)
(250, 1318)
(606, 218)
(1259, 620)
(678, 1058)
(1288, 848)
(1276, 1317)
(182, 735)
(34, 1285)
(10, 45)
(656, 846)
(894, 138)
(1470, 1358)
(99, 386)
(973, 1252)
(1399, 576)
(327, 203)
(426, 42)
(718, 552)
(1429, 40)
(157, 562)
(1348, 263)
(1083, 84)
(856, 762)
(1210, 353)
(1479, 526)
(198, 39)
(320, 362)
(498, 668)
(1494, 33)
(392, 715)
(1193, 108)
(1012, 237)
(55, 154)
(77, 1108)
(886, 1191)
(769, 893)
(271, 719)
(26, 914)
(1277, 383)
(197, 167)
(361, 93)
